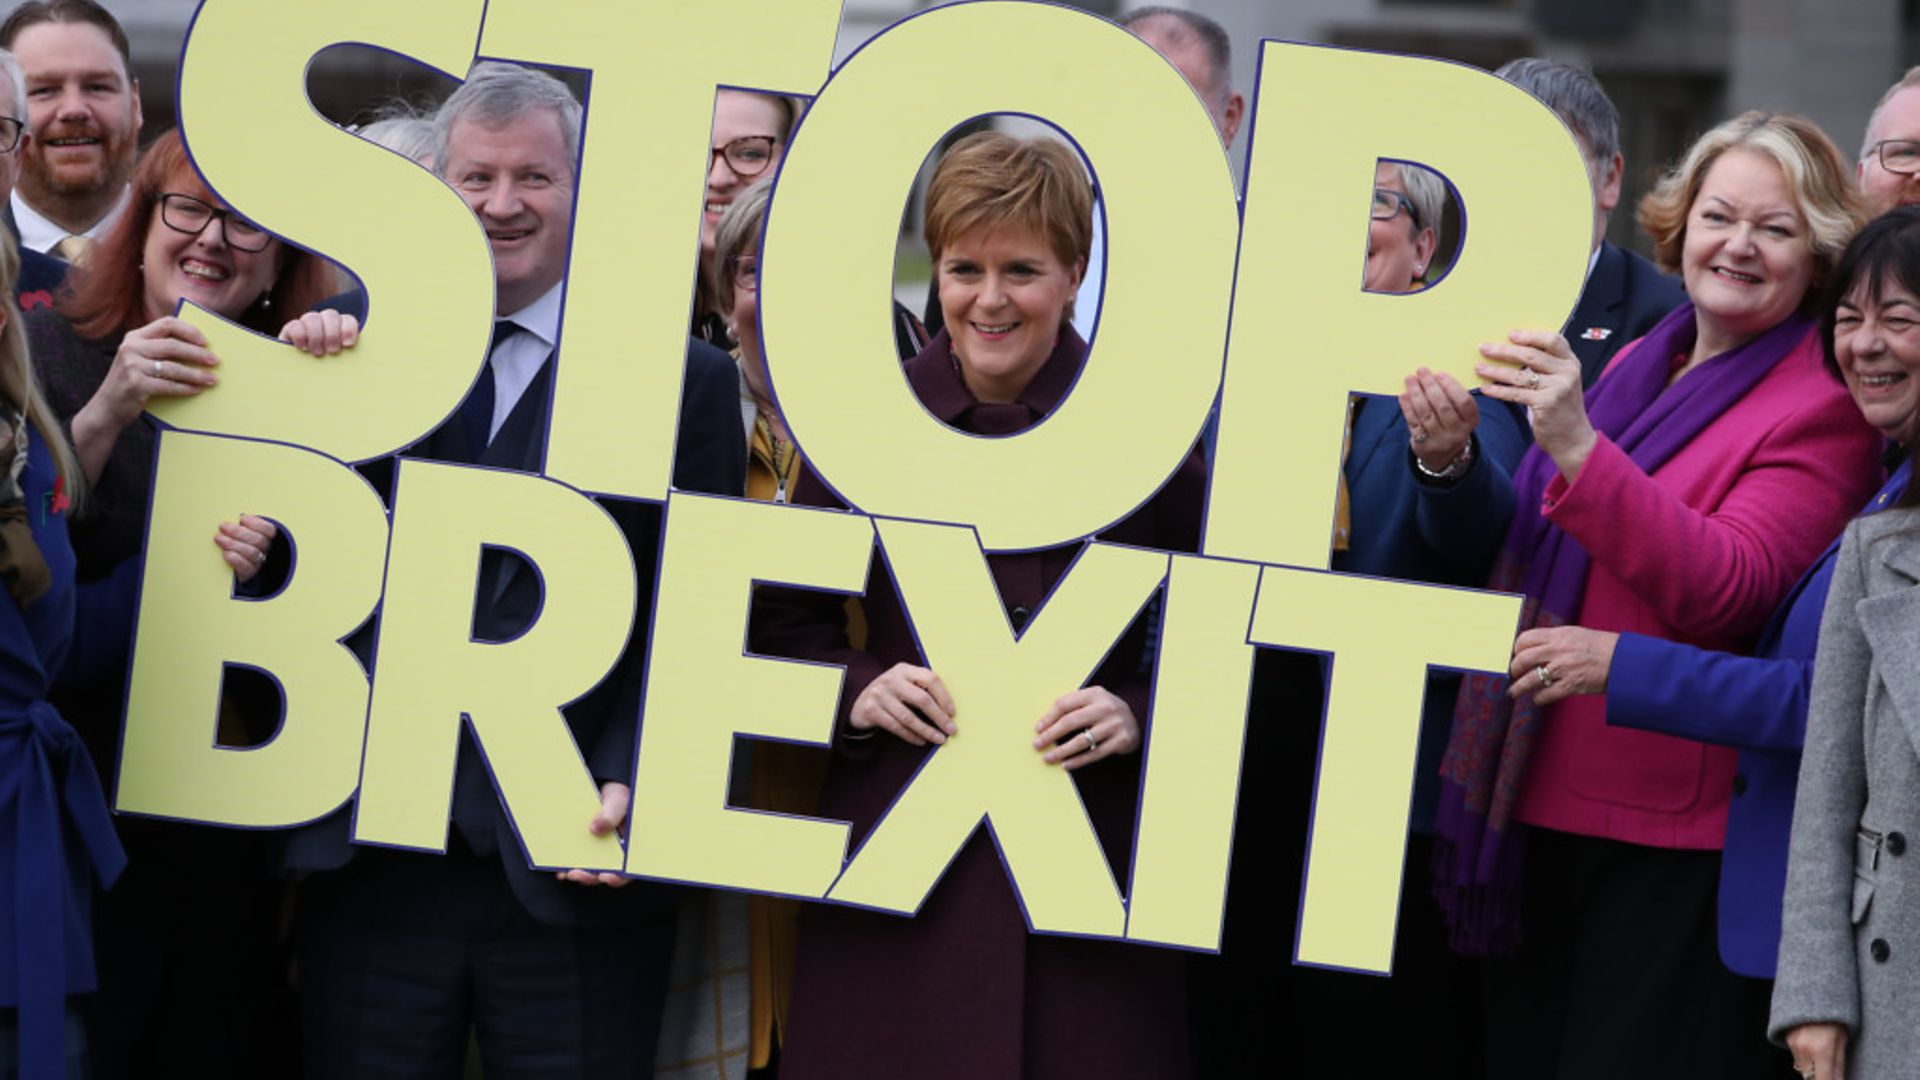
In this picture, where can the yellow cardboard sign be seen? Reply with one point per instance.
(1305, 334)
(415, 246)
(1185, 265)
(1131, 417)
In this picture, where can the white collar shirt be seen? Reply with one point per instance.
(517, 359)
(41, 235)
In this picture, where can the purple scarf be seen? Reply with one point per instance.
(1477, 849)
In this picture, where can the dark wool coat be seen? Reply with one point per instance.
(962, 989)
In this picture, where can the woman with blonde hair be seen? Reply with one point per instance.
(64, 847)
(60, 844)
(1680, 498)
(742, 1021)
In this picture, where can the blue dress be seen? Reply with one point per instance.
(1757, 704)
(56, 840)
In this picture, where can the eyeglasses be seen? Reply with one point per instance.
(1897, 156)
(1388, 204)
(748, 156)
(745, 270)
(10, 130)
(184, 213)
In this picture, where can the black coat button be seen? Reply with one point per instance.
(1896, 844)
(1739, 784)
(1880, 950)
(1018, 617)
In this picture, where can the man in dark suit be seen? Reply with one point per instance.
(403, 954)
(1625, 294)
(40, 275)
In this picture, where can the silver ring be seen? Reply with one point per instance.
(259, 558)
(1087, 734)
(1420, 436)
(1533, 380)
(157, 364)
(1546, 677)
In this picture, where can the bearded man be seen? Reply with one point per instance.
(83, 115)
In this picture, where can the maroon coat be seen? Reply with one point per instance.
(963, 989)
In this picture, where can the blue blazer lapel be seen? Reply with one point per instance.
(521, 442)
(1775, 622)
(1373, 422)
(1599, 309)
(519, 445)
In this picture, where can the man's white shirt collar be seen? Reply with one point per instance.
(41, 235)
(518, 358)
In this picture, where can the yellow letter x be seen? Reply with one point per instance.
(1000, 686)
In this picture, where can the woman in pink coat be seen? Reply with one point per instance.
(1680, 498)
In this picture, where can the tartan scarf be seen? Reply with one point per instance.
(22, 568)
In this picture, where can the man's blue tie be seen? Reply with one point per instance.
(477, 414)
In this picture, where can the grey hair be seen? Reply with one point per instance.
(496, 94)
(1910, 79)
(412, 137)
(1574, 94)
(738, 229)
(1195, 28)
(1426, 191)
(10, 66)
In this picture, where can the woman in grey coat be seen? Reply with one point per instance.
(1849, 970)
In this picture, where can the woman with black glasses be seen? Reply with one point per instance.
(1426, 491)
(175, 242)
(750, 134)
(185, 940)
(1405, 227)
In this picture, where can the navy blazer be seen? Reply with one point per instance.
(1407, 529)
(59, 843)
(709, 456)
(352, 302)
(1624, 297)
(39, 273)
(1758, 704)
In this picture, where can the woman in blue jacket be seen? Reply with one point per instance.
(1426, 492)
(1758, 703)
(56, 840)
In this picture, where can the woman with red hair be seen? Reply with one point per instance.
(186, 939)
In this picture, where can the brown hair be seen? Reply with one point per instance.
(991, 181)
(106, 295)
(35, 12)
(1816, 171)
